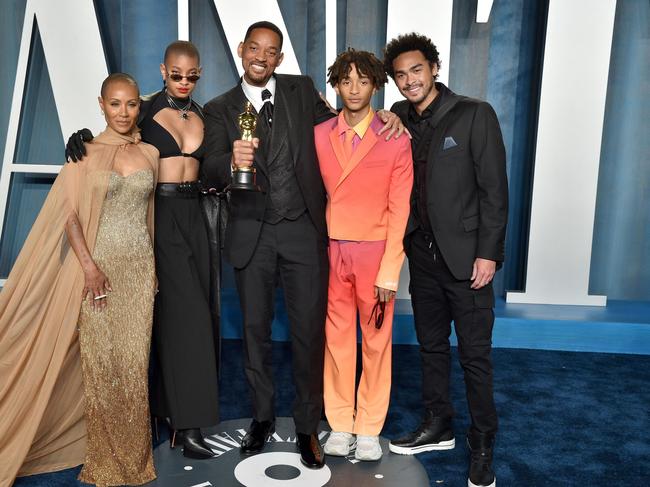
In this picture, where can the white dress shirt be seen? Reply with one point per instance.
(254, 93)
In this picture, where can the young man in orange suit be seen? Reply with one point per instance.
(368, 182)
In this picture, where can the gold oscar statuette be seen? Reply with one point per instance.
(243, 178)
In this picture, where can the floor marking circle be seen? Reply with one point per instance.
(278, 465)
(252, 471)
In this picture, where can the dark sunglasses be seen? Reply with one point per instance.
(192, 78)
(378, 313)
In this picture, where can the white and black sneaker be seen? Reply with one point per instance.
(481, 447)
(434, 433)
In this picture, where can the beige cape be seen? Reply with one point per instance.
(42, 427)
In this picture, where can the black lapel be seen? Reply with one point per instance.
(285, 105)
(236, 101)
(440, 124)
(435, 131)
(236, 106)
(443, 110)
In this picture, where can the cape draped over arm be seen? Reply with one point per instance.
(42, 425)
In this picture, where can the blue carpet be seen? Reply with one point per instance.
(567, 419)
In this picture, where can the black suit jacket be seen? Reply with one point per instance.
(466, 183)
(298, 108)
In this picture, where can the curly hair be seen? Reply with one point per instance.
(365, 62)
(406, 43)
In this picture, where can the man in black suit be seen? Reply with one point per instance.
(454, 242)
(279, 232)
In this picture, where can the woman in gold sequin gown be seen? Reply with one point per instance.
(115, 342)
(115, 326)
(92, 239)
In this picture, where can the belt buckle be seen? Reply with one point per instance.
(185, 187)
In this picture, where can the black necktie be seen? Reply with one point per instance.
(266, 112)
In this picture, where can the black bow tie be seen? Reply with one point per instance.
(266, 112)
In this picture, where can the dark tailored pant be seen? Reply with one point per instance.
(438, 298)
(293, 252)
(185, 369)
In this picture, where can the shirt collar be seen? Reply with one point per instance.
(428, 112)
(254, 93)
(360, 128)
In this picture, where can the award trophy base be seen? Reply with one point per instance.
(243, 179)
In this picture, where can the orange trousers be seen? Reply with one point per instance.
(353, 269)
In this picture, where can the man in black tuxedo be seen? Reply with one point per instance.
(279, 232)
(454, 242)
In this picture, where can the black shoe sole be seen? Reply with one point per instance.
(313, 467)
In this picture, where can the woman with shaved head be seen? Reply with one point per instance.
(76, 314)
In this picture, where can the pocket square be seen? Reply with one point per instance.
(449, 143)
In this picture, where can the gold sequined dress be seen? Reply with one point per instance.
(115, 342)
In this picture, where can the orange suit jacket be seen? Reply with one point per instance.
(368, 198)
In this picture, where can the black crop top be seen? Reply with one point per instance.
(155, 134)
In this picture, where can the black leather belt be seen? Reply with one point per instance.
(186, 189)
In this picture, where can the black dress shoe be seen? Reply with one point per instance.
(256, 436)
(194, 446)
(311, 452)
(434, 433)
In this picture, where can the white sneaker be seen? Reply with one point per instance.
(368, 448)
(339, 444)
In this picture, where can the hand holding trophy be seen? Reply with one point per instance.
(243, 174)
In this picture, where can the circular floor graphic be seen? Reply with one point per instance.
(279, 464)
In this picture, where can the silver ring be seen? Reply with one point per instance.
(100, 296)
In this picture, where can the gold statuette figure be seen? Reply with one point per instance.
(243, 178)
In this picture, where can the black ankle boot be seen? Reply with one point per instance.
(481, 447)
(194, 446)
(434, 433)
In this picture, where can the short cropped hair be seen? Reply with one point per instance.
(406, 43)
(115, 77)
(180, 48)
(366, 64)
(264, 24)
